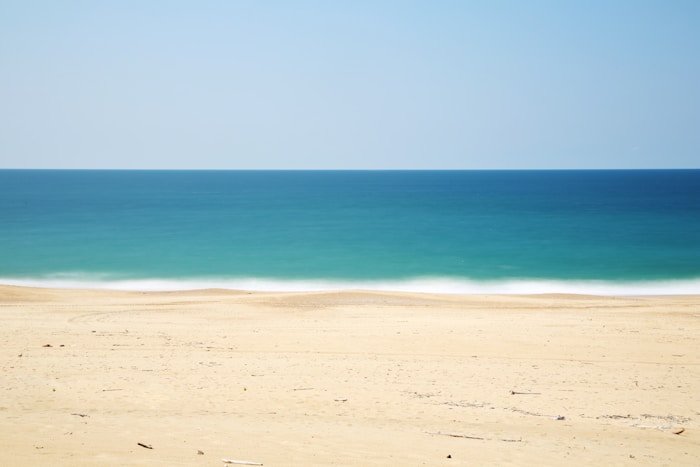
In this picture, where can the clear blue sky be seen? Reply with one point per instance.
(350, 84)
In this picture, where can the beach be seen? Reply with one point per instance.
(347, 378)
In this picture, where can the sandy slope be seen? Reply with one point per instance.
(347, 378)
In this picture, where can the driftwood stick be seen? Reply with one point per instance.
(453, 435)
(513, 393)
(234, 461)
(145, 446)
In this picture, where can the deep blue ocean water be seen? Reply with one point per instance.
(448, 231)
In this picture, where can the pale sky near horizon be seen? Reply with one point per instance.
(350, 85)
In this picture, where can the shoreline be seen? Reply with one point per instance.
(348, 378)
(429, 285)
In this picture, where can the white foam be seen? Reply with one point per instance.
(425, 285)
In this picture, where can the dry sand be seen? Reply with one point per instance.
(347, 378)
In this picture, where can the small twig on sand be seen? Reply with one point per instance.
(145, 446)
(455, 435)
(513, 393)
(233, 461)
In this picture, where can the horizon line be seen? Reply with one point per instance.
(342, 170)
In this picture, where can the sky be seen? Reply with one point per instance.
(361, 84)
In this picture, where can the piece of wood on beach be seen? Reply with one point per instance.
(147, 446)
(456, 435)
(234, 461)
(516, 393)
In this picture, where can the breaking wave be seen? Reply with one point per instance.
(419, 285)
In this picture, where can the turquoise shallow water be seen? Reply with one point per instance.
(460, 231)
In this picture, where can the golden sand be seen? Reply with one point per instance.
(347, 378)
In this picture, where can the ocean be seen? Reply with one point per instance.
(582, 231)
